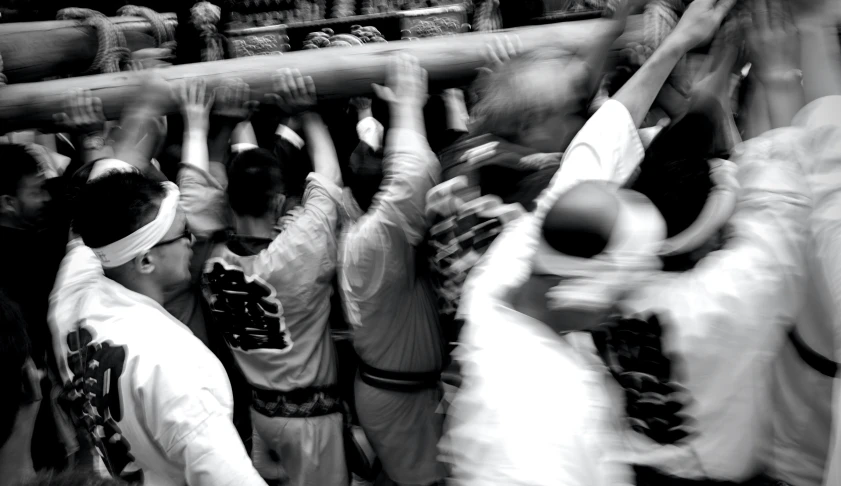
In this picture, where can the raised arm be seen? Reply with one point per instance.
(195, 109)
(410, 169)
(698, 24)
(775, 54)
(84, 120)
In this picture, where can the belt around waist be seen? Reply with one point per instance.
(649, 476)
(314, 401)
(815, 360)
(401, 381)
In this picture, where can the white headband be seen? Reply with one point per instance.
(126, 249)
(629, 259)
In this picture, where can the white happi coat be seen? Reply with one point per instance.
(158, 386)
(541, 409)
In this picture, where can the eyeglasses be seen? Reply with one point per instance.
(186, 234)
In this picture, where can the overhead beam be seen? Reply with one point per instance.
(338, 73)
(32, 51)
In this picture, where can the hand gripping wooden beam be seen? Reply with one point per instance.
(338, 73)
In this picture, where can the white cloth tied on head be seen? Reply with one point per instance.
(126, 249)
(630, 257)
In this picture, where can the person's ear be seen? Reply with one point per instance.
(145, 264)
(8, 205)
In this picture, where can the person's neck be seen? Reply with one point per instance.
(141, 285)
(254, 227)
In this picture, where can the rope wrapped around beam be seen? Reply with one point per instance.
(205, 16)
(112, 52)
(163, 31)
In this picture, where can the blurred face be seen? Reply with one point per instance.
(172, 255)
(31, 201)
(565, 84)
(531, 300)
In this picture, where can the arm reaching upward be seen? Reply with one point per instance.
(700, 21)
(296, 94)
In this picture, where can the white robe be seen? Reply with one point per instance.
(174, 405)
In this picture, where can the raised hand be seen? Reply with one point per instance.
(405, 82)
(82, 113)
(700, 21)
(232, 101)
(774, 41)
(294, 93)
(195, 104)
(500, 51)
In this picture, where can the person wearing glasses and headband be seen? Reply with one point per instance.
(149, 415)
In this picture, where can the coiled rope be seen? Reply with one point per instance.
(3, 79)
(204, 16)
(111, 53)
(163, 32)
(487, 18)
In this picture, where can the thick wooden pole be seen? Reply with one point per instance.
(338, 72)
(33, 51)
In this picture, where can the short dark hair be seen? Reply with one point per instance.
(255, 177)
(114, 206)
(75, 477)
(15, 163)
(675, 174)
(14, 350)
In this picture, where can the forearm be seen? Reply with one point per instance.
(217, 142)
(408, 117)
(785, 97)
(194, 151)
(821, 61)
(134, 127)
(91, 147)
(639, 93)
(320, 147)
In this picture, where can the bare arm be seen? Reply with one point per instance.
(701, 19)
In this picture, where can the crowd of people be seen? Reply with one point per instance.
(528, 281)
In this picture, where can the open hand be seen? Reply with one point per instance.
(232, 101)
(774, 41)
(500, 51)
(700, 21)
(294, 93)
(195, 104)
(405, 82)
(82, 113)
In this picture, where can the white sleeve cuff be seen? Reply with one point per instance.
(242, 147)
(371, 132)
(290, 136)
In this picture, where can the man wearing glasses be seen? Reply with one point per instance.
(157, 402)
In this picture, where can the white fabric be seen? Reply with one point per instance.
(176, 419)
(803, 408)
(242, 147)
(533, 408)
(371, 132)
(125, 249)
(725, 319)
(100, 167)
(608, 148)
(290, 136)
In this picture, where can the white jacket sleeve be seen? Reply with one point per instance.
(822, 121)
(189, 417)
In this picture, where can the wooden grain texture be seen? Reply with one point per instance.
(36, 50)
(337, 73)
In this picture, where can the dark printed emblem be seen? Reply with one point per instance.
(633, 352)
(246, 308)
(94, 397)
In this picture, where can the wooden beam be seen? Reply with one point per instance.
(33, 51)
(338, 73)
